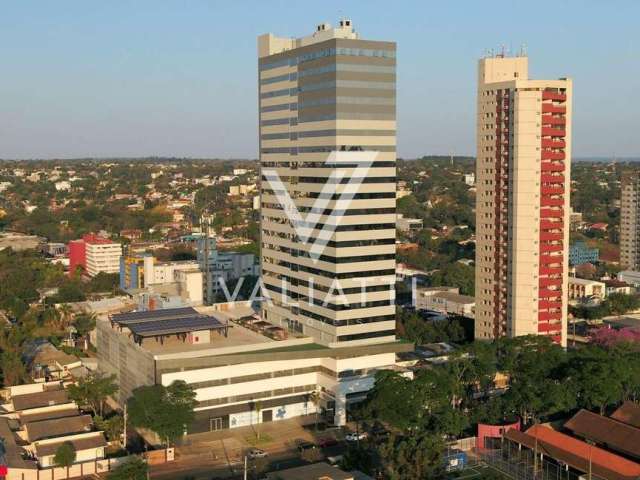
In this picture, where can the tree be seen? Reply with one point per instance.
(167, 411)
(257, 406)
(65, 456)
(314, 398)
(93, 391)
(135, 468)
(84, 322)
(65, 316)
(597, 375)
(113, 426)
(13, 370)
(417, 457)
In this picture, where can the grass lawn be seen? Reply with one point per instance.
(255, 440)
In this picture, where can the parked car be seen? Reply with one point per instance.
(256, 453)
(327, 442)
(304, 446)
(355, 436)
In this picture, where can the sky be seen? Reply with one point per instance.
(91, 78)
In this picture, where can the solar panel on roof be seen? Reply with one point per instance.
(152, 315)
(179, 325)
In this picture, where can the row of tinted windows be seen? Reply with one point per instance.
(329, 148)
(328, 116)
(332, 84)
(334, 67)
(301, 164)
(328, 133)
(328, 52)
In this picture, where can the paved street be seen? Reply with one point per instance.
(221, 454)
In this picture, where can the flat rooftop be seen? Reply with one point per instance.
(236, 337)
(166, 331)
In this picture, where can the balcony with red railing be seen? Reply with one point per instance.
(551, 95)
(549, 282)
(548, 178)
(553, 132)
(549, 327)
(549, 143)
(551, 120)
(549, 190)
(550, 270)
(548, 224)
(551, 202)
(546, 316)
(551, 155)
(545, 304)
(546, 248)
(553, 167)
(548, 294)
(550, 260)
(551, 237)
(551, 108)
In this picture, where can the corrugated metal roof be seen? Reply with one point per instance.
(603, 430)
(575, 453)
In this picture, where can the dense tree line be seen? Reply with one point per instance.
(447, 401)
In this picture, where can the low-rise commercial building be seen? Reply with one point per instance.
(19, 241)
(221, 267)
(617, 286)
(593, 445)
(445, 300)
(408, 224)
(630, 276)
(244, 370)
(583, 289)
(142, 271)
(94, 254)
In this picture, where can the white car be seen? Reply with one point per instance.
(354, 437)
(256, 453)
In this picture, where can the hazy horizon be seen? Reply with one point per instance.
(139, 79)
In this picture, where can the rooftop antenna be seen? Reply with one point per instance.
(523, 50)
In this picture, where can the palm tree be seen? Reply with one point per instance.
(66, 315)
(51, 316)
(257, 406)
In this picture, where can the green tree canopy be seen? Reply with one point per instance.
(167, 411)
(93, 391)
(65, 455)
(135, 468)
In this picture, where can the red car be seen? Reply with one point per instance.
(327, 442)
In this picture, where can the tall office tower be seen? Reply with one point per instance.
(630, 223)
(522, 201)
(327, 99)
(328, 155)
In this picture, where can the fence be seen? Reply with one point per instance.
(520, 464)
(60, 473)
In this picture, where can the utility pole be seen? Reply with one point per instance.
(535, 458)
(124, 430)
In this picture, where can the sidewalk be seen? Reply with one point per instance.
(224, 449)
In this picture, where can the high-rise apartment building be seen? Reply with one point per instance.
(327, 99)
(630, 223)
(522, 201)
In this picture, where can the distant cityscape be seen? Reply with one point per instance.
(329, 310)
